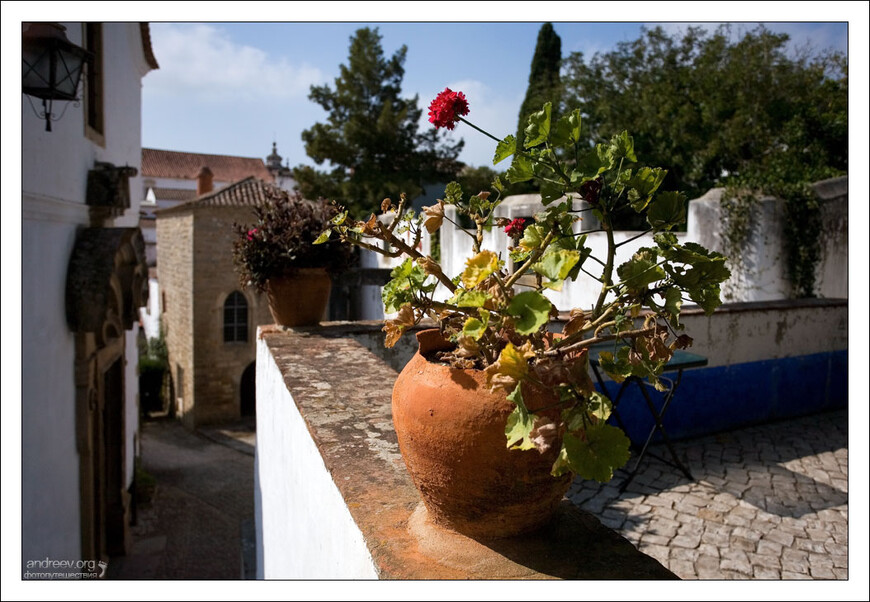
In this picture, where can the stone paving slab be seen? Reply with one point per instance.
(768, 502)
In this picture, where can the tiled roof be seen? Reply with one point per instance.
(174, 194)
(246, 193)
(158, 163)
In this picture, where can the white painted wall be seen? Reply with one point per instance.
(762, 276)
(49, 458)
(150, 315)
(54, 182)
(304, 529)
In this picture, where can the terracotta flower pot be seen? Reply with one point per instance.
(451, 431)
(300, 299)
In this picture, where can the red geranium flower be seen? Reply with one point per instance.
(515, 227)
(251, 233)
(446, 109)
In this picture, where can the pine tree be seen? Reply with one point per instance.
(544, 84)
(370, 138)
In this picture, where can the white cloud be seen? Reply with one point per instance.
(489, 109)
(201, 62)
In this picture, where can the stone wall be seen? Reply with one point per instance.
(175, 258)
(218, 366)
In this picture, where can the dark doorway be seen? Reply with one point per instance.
(248, 391)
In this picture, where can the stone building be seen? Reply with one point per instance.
(209, 320)
(170, 178)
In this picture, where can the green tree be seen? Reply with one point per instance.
(711, 108)
(544, 84)
(370, 139)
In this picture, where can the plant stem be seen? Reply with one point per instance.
(532, 259)
(629, 334)
(607, 275)
(411, 252)
(484, 132)
(644, 233)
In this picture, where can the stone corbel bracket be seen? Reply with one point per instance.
(107, 281)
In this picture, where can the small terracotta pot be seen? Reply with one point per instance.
(451, 431)
(300, 299)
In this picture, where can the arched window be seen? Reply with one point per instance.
(235, 318)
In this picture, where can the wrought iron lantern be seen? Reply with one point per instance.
(52, 65)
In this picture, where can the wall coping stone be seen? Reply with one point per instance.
(343, 392)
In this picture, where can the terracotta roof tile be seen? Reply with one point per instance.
(174, 194)
(158, 163)
(248, 192)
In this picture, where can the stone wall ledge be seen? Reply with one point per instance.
(342, 391)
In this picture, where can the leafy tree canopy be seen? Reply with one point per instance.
(710, 107)
(370, 139)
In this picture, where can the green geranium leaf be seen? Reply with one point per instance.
(478, 268)
(640, 271)
(406, 279)
(591, 164)
(453, 193)
(520, 423)
(706, 271)
(605, 158)
(505, 149)
(538, 129)
(464, 298)
(643, 184)
(531, 311)
(474, 328)
(599, 406)
(621, 147)
(673, 304)
(665, 240)
(520, 170)
(324, 236)
(666, 210)
(616, 366)
(532, 237)
(567, 130)
(604, 449)
(556, 265)
(551, 191)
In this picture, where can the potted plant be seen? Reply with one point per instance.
(495, 414)
(276, 255)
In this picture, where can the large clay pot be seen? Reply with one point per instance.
(451, 431)
(300, 299)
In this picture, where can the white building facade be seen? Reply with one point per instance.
(83, 277)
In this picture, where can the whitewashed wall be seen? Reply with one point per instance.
(372, 307)
(54, 181)
(763, 276)
(150, 315)
(303, 527)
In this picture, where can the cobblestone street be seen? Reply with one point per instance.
(769, 502)
(192, 527)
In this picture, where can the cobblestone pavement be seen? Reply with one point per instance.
(769, 502)
(192, 527)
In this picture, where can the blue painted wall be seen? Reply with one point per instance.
(722, 398)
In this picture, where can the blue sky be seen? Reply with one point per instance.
(233, 88)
